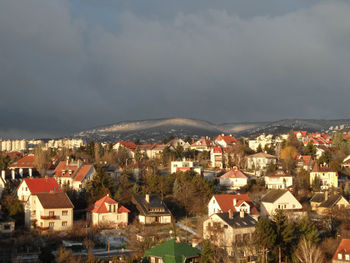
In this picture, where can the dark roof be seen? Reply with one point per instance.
(155, 202)
(272, 195)
(318, 198)
(54, 200)
(236, 221)
(331, 201)
(173, 252)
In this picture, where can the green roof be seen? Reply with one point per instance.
(173, 252)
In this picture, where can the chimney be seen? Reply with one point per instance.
(78, 162)
(230, 213)
(147, 198)
(326, 196)
(241, 214)
(3, 174)
(234, 201)
(13, 174)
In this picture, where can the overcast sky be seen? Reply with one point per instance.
(67, 66)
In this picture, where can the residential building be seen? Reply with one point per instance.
(226, 140)
(217, 157)
(129, 146)
(346, 162)
(152, 209)
(342, 254)
(108, 212)
(323, 203)
(203, 144)
(304, 162)
(178, 142)
(173, 251)
(184, 165)
(233, 179)
(24, 166)
(49, 211)
(74, 174)
(31, 185)
(327, 176)
(302, 136)
(236, 203)
(232, 232)
(259, 161)
(280, 199)
(278, 180)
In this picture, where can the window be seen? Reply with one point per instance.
(51, 213)
(64, 212)
(340, 256)
(64, 223)
(7, 227)
(110, 208)
(347, 257)
(51, 224)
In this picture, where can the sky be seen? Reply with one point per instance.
(70, 65)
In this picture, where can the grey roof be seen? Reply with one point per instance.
(331, 201)
(272, 195)
(155, 202)
(318, 198)
(236, 221)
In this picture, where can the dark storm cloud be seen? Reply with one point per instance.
(62, 72)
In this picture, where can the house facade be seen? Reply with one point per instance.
(217, 157)
(323, 203)
(278, 180)
(49, 211)
(259, 161)
(31, 185)
(327, 176)
(108, 212)
(233, 179)
(342, 254)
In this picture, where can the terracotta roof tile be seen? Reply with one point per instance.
(343, 248)
(42, 185)
(100, 207)
(54, 200)
(226, 202)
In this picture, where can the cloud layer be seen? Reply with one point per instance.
(62, 72)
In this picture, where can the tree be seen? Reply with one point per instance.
(122, 156)
(293, 140)
(42, 160)
(326, 157)
(46, 255)
(316, 184)
(308, 230)
(207, 253)
(310, 149)
(288, 155)
(309, 252)
(264, 236)
(100, 185)
(259, 149)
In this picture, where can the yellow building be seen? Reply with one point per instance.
(327, 176)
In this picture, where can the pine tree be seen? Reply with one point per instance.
(308, 229)
(264, 236)
(207, 253)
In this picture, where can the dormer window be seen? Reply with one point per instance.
(340, 256)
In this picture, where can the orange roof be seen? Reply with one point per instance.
(226, 202)
(41, 185)
(217, 149)
(343, 248)
(201, 142)
(12, 155)
(100, 206)
(82, 172)
(25, 162)
(68, 170)
(303, 133)
(234, 173)
(304, 158)
(347, 136)
(229, 139)
(127, 144)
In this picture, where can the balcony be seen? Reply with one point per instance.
(43, 227)
(49, 217)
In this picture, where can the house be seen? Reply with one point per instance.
(107, 211)
(24, 166)
(172, 251)
(152, 209)
(7, 224)
(302, 136)
(49, 211)
(231, 231)
(322, 203)
(203, 144)
(226, 140)
(327, 176)
(319, 139)
(233, 179)
(178, 142)
(184, 165)
(263, 140)
(217, 157)
(152, 151)
(304, 162)
(236, 203)
(129, 146)
(74, 174)
(279, 199)
(342, 254)
(259, 161)
(278, 180)
(346, 162)
(31, 185)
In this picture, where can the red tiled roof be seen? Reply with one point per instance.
(304, 158)
(343, 248)
(127, 144)
(85, 168)
(229, 139)
(100, 207)
(217, 149)
(347, 136)
(12, 155)
(234, 173)
(262, 155)
(25, 162)
(323, 169)
(41, 185)
(303, 133)
(62, 166)
(201, 142)
(226, 202)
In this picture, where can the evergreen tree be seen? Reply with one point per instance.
(207, 253)
(308, 229)
(310, 149)
(259, 149)
(265, 236)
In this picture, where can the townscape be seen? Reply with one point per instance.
(267, 198)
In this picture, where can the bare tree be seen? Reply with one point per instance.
(42, 160)
(308, 252)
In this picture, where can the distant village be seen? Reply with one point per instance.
(269, 198)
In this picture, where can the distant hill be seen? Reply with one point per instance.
(159, 129)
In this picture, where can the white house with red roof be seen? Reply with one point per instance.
(24, 166)
(278, 180)
(233, 179)
(31, 185)
(185, 165)
(203, 144)
(346, 162)
(226, 140)
(107, 211)
(301, 135)
(237, 203)
(217, 157)
(74, 174)
(129, 146)
(342, 254)
(304, 162)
